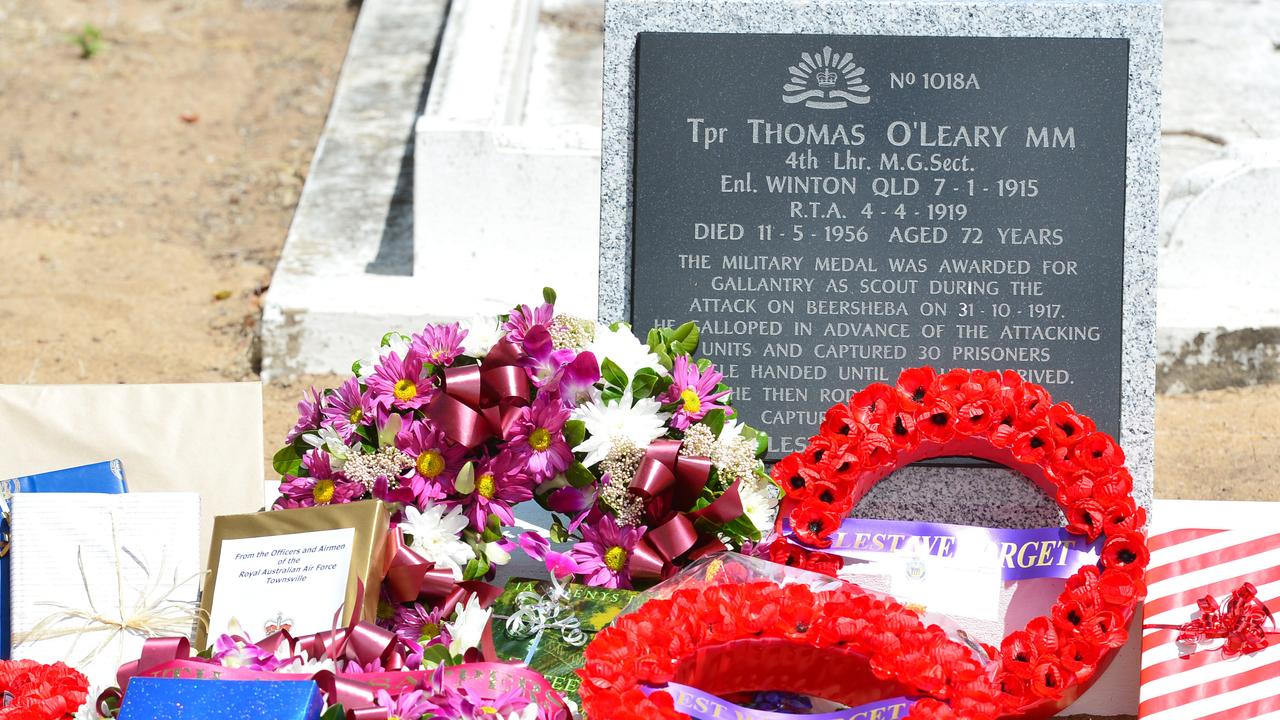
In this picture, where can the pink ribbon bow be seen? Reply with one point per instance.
(670, 485)
(481, 401)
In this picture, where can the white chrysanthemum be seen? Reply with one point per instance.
(438, 536)
(483, 332)
(467, 627)
(624, 349)
(392, 342)
(759, 504)
(611, 422)
(731, 431)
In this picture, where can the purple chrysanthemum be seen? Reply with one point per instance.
(500, 483)
(309, 416)
(346, 409)
(524, 318)
(436, 460)
(399, 384)
(537, 437)
(439, 344)
(604, 555)
(693, 391)
(321, 486)
(420, 626)
(410, 705)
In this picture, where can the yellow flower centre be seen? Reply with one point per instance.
(691, 402)
(430, 463)
(487, 486)
(405, 390)
(430, 632)
(356, 415)
(540, 439)
(322, 492)
(488, 710)
(615, 558)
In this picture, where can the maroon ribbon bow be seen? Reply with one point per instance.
(1241, 622)
(670, 485)
(478, 402)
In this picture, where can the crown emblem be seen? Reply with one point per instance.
(278, 624)
(826, 80)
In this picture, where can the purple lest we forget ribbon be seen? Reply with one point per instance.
(705, 706)
(1021, 553)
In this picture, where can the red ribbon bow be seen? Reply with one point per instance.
(1240, 621)
(670, 485)
(480, 401)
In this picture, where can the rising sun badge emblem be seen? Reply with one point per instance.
(827, 81)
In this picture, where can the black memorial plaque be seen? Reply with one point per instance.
(831, 209)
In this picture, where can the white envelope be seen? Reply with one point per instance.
(204, 437)
(94, 575)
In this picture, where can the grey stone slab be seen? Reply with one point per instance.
(345, 274)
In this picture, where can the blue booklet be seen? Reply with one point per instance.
(102, 477)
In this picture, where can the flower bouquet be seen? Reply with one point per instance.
(632, 445)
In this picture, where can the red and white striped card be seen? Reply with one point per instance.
(1187, 564)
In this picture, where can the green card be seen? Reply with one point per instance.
(548, 626)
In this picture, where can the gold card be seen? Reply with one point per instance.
(293, 569)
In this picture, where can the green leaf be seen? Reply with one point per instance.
(575, 431)
(664, 358)
(715, 421)
(642, 384)
(337, 712)
(475, 570)
(684, 341)
(762, 443)
(287, 461)
(558, 532)
(662, 384)
(579, 476)
(610, 395)
(613, 374)
(654, 340)
(549, 295)
(433, 655)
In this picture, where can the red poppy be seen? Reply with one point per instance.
(1086, 517)
(1121, 588)
(794, 476)
(814, 523)
(843, 421)
(1124, 515)
(1066, 426)
(874, 403)
(1098, 452)
(937, 422)
(1125, 551)
(916, 385)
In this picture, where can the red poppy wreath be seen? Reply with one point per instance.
(1035, 673)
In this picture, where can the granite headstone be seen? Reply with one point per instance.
(837, 190)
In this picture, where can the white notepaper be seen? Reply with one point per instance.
(94, 574)
(295, 582)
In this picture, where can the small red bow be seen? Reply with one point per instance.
(1241, 622)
